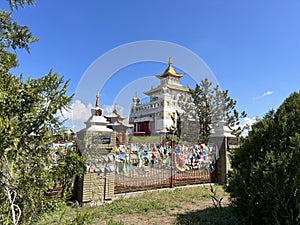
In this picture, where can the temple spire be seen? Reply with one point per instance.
(97, 100)
(170, 61)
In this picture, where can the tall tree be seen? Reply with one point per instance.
(224, 108)
(14, 4)
(28, 125)
(265, 180)
(202, 97)
(206, 106)
(12, 37)
(188, 120)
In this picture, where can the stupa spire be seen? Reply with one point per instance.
(97, 100)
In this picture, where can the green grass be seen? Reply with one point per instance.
(145, 139)
(112, 222)
(166, 203)
(138, 205)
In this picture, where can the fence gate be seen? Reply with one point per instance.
(139, 179)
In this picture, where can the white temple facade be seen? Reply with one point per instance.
(154, 117)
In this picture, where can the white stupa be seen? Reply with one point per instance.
(97, 122)
(222, 130)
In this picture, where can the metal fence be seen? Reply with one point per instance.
(146, 167)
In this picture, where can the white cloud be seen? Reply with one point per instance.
(248, 122)
(267, 93)
(78, 112)
(109, 108)
(264, 95)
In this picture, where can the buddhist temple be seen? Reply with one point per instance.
(117, 123)
(154, 117)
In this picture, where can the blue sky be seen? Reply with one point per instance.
(252, 47)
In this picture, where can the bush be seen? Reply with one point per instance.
(265, 181)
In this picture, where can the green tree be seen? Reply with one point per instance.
(207, 106)
(202, 97)
(265, 180)
(14, 4)
(28, 124)
(188, 120)
(12, 37)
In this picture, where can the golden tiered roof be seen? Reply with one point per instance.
(170, 71)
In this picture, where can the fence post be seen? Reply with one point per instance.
(172, 184)
(172, 165)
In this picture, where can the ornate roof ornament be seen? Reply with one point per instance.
(170, 71)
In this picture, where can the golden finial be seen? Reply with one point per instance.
(170, 61)
(97, 100)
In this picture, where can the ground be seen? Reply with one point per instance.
(181, 206)
(164, 217)
(178, 209)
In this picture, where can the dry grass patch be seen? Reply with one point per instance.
(186, 205)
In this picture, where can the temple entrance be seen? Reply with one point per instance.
(143, 127)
